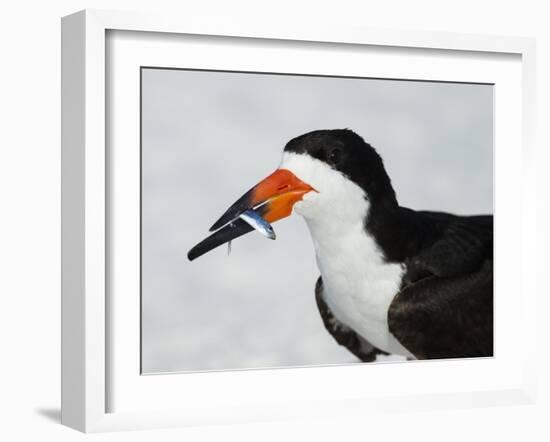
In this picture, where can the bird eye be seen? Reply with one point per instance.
(334, 156)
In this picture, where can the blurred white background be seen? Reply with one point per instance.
(209, 136)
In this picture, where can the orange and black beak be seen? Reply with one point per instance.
(272, 198)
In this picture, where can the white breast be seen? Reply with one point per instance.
(358, 284)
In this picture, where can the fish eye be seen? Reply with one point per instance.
(334, 156)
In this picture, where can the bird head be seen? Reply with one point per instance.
(323, 175)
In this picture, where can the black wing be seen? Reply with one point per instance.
(343, 334)
(460, 247)
(445, 306)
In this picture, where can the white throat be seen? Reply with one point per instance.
(358, 284)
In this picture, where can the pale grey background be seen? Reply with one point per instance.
(209, 136)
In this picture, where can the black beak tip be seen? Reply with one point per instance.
(231, 214)
(216, 239)
(215, 226)
(191, 255)
(238, 207)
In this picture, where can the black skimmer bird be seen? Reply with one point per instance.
(393, 280)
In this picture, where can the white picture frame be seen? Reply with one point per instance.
(89, 358)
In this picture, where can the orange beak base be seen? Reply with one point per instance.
(273, 198)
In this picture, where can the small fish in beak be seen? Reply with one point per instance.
(256, 221)
(261, 225)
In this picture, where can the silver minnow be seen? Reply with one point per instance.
(261, 225)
